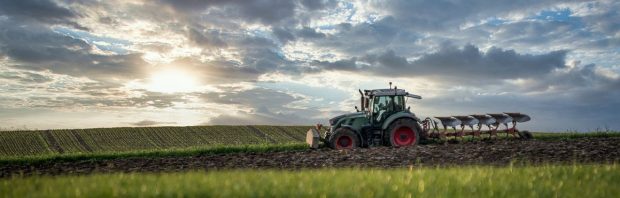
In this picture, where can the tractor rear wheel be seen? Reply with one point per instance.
(344, 138)
(402, 133)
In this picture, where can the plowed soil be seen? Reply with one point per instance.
(489, 152)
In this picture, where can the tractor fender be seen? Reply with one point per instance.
(396, 116)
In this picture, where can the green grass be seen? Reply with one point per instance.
(192, 151)
(470, 181)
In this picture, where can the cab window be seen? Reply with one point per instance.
(399, 103)
(382, 106)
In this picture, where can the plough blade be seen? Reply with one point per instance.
(518, 117)
(491, 120)
(484, 119)
(501, 118)
(467, 120)
(449, 121)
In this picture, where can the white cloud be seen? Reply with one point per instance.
(305, 59)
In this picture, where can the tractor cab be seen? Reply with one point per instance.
(379, 104)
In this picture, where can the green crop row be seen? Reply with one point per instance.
(127, 139)
(469, 181)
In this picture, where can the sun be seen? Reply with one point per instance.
(172, 81)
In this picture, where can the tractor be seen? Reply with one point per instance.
(384, 119)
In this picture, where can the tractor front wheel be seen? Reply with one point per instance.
(402, 133)
(344, 138)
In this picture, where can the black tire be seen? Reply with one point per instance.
(526, 135)
(407, 130)
(344, 138)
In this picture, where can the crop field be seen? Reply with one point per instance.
(468, 181)
(107, 140)
(273, 161)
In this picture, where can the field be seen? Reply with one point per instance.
(267, 161)
(122, 140)
(469, 181)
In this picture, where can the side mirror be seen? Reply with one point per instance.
(357, 109)
(409, 108)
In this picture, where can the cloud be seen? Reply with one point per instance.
(96, 100)
(25, 77)
(206, 38)
(150, 123)
(450, 15)
(518, 54)
(42, 11)
(454, 63)
(38, 48)
(260, 106)
(265, 12)
(357, 39)
(317, 4)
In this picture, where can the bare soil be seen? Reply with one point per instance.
(489, 152)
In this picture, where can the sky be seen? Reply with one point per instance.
(118, 63)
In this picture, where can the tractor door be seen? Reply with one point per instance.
(384, 106)
(380, 108)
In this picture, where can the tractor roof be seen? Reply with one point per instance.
(390, 92)
(387, 92)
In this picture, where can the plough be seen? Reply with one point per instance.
(492, 121)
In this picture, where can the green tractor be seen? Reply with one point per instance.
(384, 119)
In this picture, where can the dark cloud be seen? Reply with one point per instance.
(41, 48)
(317, 4)
(150, 123)
(364, 38)
(586, 83)
(471, 62)
(266, 12)
(449, 15)
(283, 35)
(210, 38)
(536, 32)
(604, 22)
(307, 32)
(456, 63)
(39, 10)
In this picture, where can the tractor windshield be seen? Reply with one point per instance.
(384, 106)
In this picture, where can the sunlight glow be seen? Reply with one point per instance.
(172, 81)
